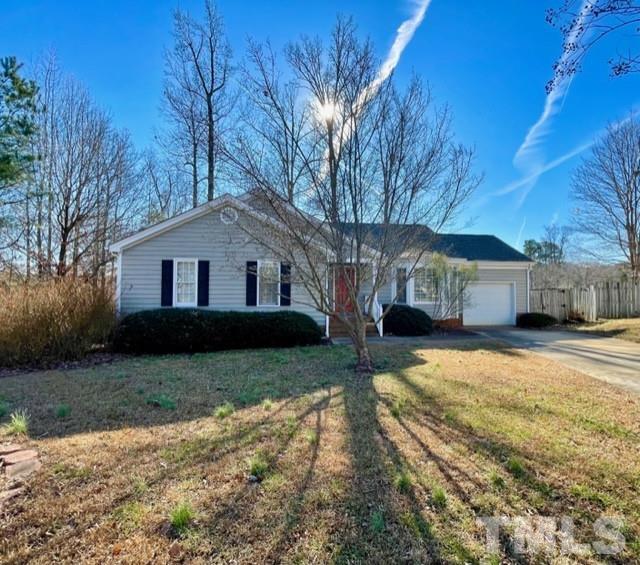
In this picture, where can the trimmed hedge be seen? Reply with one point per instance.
(535, 320)
(404, 320)
(190, 330)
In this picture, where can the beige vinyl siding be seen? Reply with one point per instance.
(207, 238)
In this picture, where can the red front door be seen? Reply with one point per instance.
(344, 276)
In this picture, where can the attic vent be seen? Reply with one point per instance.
(228, 215)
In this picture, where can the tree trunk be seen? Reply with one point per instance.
(194, 173)
(210, 152)
(364, 365)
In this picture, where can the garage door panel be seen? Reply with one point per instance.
(490, 304)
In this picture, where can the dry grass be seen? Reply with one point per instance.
(481, 430)
(56, 320)
(627, 328)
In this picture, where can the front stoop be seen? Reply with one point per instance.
(16, 463)
(337, 329)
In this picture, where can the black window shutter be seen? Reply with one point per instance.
(203, 283)
(166, 290)
(285, 284)
(252, 283)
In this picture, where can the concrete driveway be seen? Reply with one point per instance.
(612, 360)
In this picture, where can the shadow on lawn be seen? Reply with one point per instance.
(378, 518)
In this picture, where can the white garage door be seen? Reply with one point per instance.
(490, 304)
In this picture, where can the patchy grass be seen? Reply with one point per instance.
(181, 518)
(63, 411)
(161, 401)
(222, 412)
(482, 430)
(18, 424)
(258, 466)
(626, 328)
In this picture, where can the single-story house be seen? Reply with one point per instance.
(203, 258)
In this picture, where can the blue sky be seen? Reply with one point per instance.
(488, 60)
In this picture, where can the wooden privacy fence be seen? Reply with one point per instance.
(605, 300)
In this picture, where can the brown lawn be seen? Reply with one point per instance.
(396, 469)
(626, 328)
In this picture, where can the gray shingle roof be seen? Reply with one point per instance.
(461, 246)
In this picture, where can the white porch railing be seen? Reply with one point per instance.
(376, 313)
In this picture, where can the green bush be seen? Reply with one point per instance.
(535, 320)
(406, 321)
(190, 330)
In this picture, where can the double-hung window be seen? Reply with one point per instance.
(186, 282)
(401, 285)
(268, 283)
(425, 286)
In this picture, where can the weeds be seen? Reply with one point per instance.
(403, 482)
(267, 404)
(398, 407)
(377, 522)
(18, 424)
(258, 466)
(181, 518)
(516, 467)
(311, 436)
(63, 411)
(439, 498)
(161, 401)
(224, 411)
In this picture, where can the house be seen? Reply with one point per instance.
(203, 258)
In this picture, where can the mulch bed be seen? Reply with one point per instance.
(90, 360)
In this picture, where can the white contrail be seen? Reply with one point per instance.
(527, 157)
(404, 34)
(529, 180)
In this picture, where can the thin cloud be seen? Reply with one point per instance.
(404, 34)
(527, 182)
(528, 155)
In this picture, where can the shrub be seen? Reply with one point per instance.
(535, 320)
(406, 321)
(190, 330)
(56, 320)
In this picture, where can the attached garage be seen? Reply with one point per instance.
(490, 304)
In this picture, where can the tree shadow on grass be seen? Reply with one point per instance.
(389, 524)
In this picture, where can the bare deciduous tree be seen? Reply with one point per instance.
(379, 166)
(606, 187)
(583, 24)
(82, 192)
(197, 87)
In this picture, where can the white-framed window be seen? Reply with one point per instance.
(268, 283)
(185, 282)
(401, 285)
(425, 286)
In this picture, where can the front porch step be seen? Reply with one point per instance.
(337, 328)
